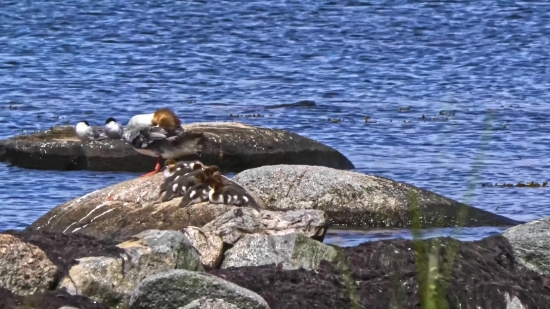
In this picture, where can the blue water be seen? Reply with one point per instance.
(482, 64)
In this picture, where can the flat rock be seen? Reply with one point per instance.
(178, 288)
(208, 245)
(292, 251)
(111, 281)
(232, 146)
(236, 223)
(24, 268)
(355, 199)
(531, 244)
(209, 303)
(134, 208)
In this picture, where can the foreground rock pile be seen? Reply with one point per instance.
(120, 247)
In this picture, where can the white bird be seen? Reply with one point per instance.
(113, 129)
(86, 133)
(160, 135)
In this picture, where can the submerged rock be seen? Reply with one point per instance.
(232, 146)
(178, 288)
(531, 244)
(111, 280)
(292, 251)
(354, 199)
(24, 268)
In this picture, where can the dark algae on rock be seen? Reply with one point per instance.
(64, 249)
(48, 300)
(300, 288)
(393, 274)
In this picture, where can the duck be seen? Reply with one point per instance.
(196, 194)
(229, 194)
(160, 135)
(172, 168)
(225, 181)
(113, 129)
(85, 132)
(180, 186)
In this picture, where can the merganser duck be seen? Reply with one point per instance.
(196, 194)
(113, 129)
(229, 195)
(180, 186)
(225, 181)
(86, 133)
(172, 172)
(160, 135)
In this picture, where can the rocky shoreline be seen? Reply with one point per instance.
(122, 247)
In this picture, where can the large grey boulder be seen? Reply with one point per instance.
(178, 288)
(531, 244)
(232, 146)
(355, 199)
(111, 281)
(292, 250)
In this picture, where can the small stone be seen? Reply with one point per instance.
(208, 244)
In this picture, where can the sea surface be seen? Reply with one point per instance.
(456, 92)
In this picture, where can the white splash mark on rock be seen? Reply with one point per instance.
(85, 225)
(66, 207)
(97, 207)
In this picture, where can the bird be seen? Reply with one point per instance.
(178, 180)
(113, 129)
(196, 194)
(229, 194)
(85, 132)
(160, 135)
(181, 185)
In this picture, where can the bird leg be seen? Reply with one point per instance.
(157, 168)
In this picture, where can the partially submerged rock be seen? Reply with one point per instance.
(178, 288)
(232, 146)
(24, 268)
(292, 251)
(531, 244)
(354, 199)
(111, 281)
